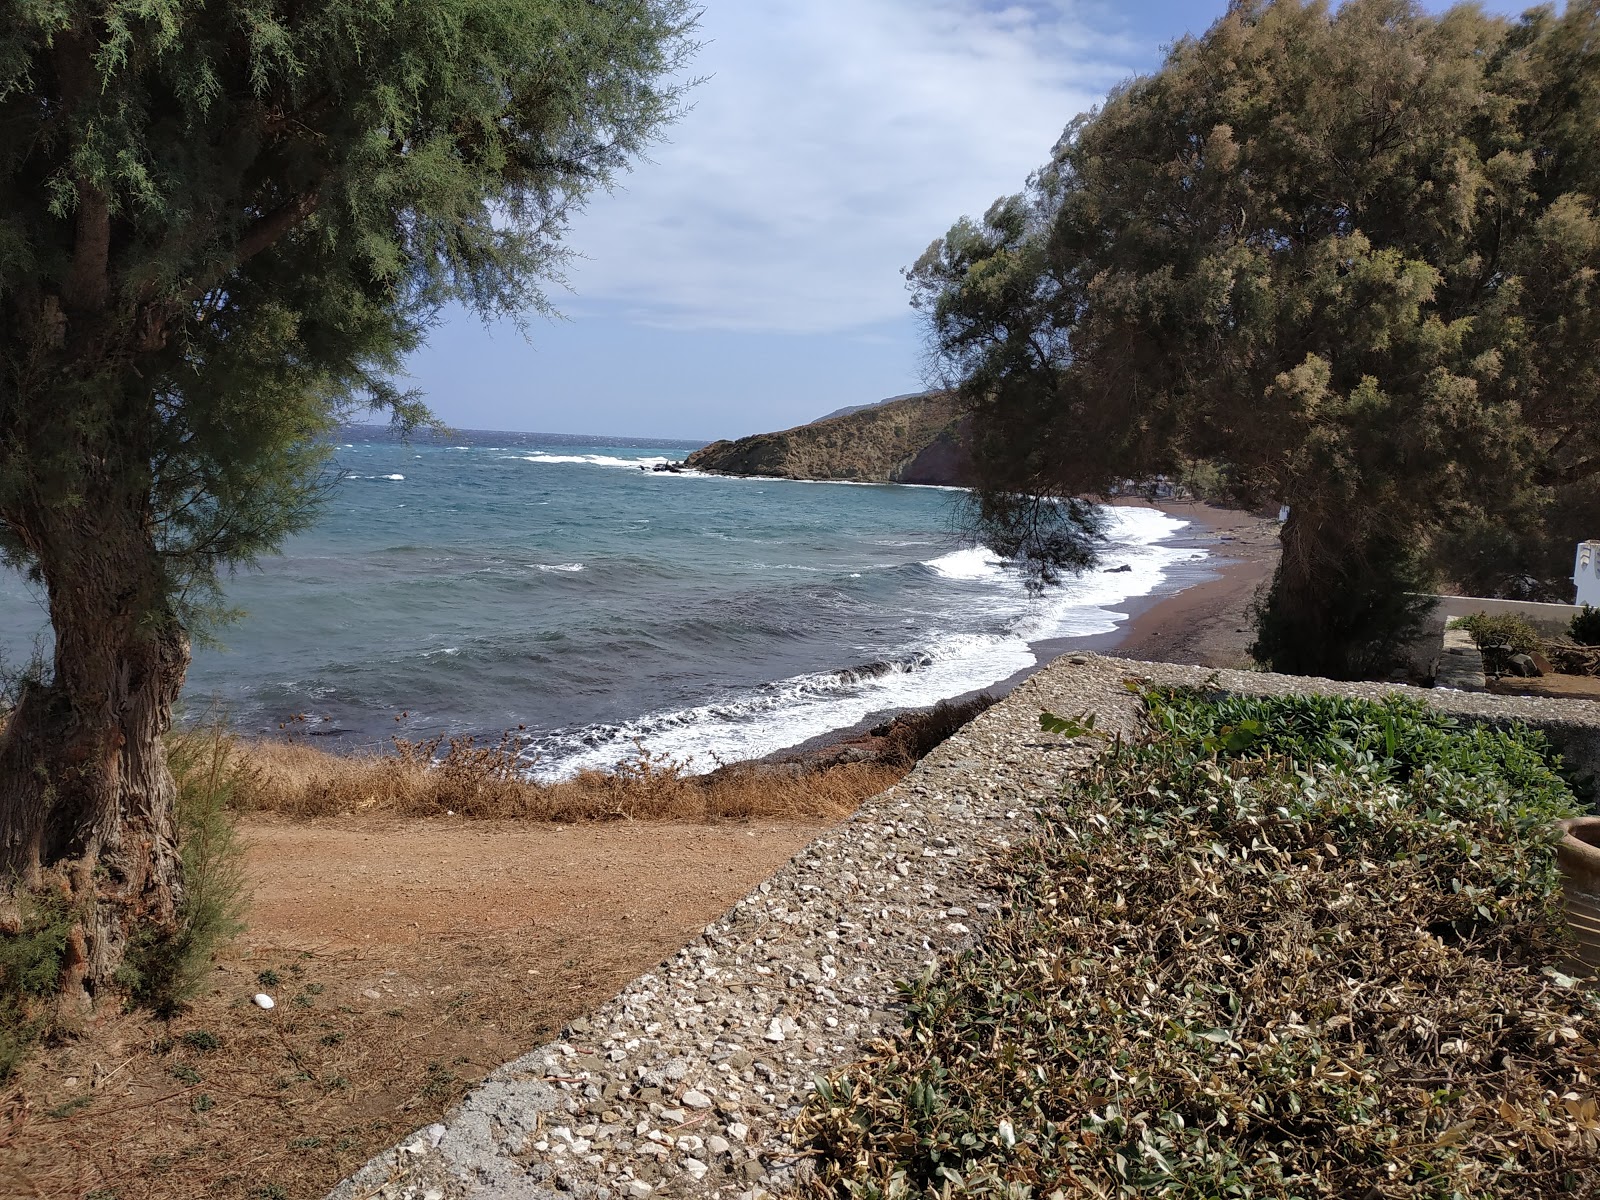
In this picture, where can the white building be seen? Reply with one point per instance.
(1586, 573)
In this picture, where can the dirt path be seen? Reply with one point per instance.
(407, 959)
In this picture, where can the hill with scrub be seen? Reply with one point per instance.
(914, 439)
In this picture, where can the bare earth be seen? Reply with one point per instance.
(412, 958)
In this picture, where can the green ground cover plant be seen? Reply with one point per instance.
(1279, 947)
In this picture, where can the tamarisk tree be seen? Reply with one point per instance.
(1352, 257)
(223, 223)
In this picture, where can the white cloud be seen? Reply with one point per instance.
(833, 140)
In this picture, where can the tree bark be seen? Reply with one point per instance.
(86, 796)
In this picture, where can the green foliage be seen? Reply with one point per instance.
(1494, 634)
(1585, 627)
(222, 227)
(1080, 726)
(31, 962)
(1348, 619)
(1392, 739)
(1351, 253)
(165, 968)
(1313, 965)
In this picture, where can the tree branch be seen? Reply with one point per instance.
(262, 235)
(270, 228)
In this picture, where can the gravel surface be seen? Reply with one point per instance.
(685, 1083)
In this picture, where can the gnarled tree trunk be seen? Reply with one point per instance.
(86, 796)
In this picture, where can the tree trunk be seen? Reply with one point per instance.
(1343, 602)
(86, 796)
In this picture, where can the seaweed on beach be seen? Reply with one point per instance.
(1279, 947)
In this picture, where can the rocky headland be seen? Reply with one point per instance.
(911, 439)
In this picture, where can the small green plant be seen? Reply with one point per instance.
(1079, 726)
(441, 1083)
(1502, 629)
(1585, 627)
(268, 978)
(203, 1103)
(63, 1111)
(184, 1073)
(166, 967)
(31, 963)
(201, 1039)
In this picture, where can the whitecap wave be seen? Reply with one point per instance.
(976, 562)
(597, 460)
(760, 720)
(564, 567)
(400, 477)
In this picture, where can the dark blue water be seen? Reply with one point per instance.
(507, 580)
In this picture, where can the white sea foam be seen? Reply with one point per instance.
(596, 460)
(764, 719)
(978, 562)
(393, 477)
(578, 566)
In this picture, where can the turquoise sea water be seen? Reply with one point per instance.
(497, 580)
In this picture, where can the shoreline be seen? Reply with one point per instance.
(1198, 616)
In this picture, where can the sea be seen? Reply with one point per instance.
(558, 588)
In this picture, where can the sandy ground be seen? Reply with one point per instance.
(1209, 624)
(407, 959)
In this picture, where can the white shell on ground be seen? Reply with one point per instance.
(264, 1001)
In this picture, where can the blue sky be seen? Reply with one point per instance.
(746, 278)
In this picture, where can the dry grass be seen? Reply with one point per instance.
(469, 779)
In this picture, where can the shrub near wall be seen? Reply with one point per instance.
(1285, 947)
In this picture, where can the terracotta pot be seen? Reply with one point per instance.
(1578, 856)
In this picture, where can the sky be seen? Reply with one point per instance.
(746, 276)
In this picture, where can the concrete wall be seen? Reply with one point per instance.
(1546, 618)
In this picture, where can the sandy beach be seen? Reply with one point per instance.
(1208, 623)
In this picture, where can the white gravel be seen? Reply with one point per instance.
(685, 1082)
